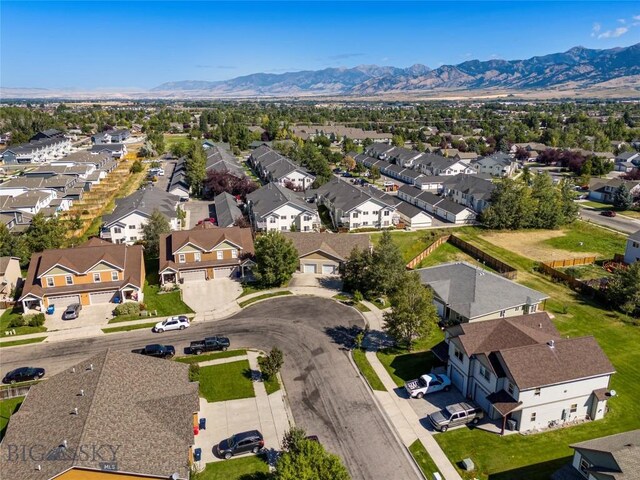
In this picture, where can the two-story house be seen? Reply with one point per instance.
(439, 206)
(111, 136)
(227, 212)
(115, 150)
(273, 167)
(37, 151)
(473, 191)
(126, 223)
(521, 372)
(603, 189)
(465, 293)
(497, 165)
(92, 273)
(220, 159)
(352, 207)
(31, 202)
(205, 253)
(614, 457)
(632, 251)
(274, 207)
(404, 174)
(10, 276)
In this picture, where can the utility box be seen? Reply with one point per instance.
(467, 464)
(437, 476)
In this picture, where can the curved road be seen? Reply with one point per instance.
(327, 397)
(620, 223)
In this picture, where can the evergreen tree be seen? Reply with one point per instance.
(44, 233)
(155, 226)
(622, 199)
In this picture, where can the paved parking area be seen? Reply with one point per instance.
(90, 315)
(210, 295)
(300, 279)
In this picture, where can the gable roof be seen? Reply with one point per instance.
(141, 404)
(272, 196)
(635, 236)
(144, 201)
(227, 211)
(346, 197)
(276, 164)
(335, 244)
(497, 158)
(623, 447)
(219, 159)
(476, 185)
(474, 292)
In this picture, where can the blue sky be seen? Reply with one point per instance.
(89, 45)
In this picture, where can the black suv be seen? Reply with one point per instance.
(244, 442)
(72, 311)
(157, 350)
(209, 344)
(23, 374)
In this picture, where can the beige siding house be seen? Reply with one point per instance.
(324, 253)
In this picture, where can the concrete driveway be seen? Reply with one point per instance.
(90, 315)
(210, 295)
(299, 279)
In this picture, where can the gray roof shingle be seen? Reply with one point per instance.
(145, 201)
(227, 211)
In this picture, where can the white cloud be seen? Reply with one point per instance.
(595, 29)
(615, 33)
(636, 17)
(622, 21)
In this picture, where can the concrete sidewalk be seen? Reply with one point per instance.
(407, 422)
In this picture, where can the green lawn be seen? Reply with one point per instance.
(446, 253)
(249, 288)
(128, 328)
(172, 139)
(211, 356)
(243, 468)
(25, 341)
(272, 385)
(535, 457)
(422, 457)
(361, 307)
(409, 243)
(8, 408)
(262, 297)
(587, 272)
(367, 370)
(227, 381)
(164, 304)
(594, 240)
(9, 315)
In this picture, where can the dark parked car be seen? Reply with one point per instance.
(72, 311)
(608, 213)
(244, 442)
(157, 350)
(23, 374)
(209, 344)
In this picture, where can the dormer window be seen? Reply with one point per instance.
(181, 258)
(50, 282)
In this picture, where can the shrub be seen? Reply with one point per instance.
(85, 212)
(357, 296)
(136, 167)
(194, 372)
(17, 322)
(36, 320)
(129, 308)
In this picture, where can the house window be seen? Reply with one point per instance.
(533, 416)
(573, 408)
(355, 214)
(197, 256)
(510, 388)
(516, 309)
(131, 227)
(585, 466)
(117, 230)
(219, 254)
(365, 213)
(50, 282)
(636, 244)
(485, 373)
(375, 212)
(307, 218)
(234, 253)
(272, 219)
(114, 276)
(181, 258)
(458, 354)
(537, 392)
(293, 217)
(96, 277)
(69, 279)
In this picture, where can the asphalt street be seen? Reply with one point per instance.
(619, 222)
(326, 396)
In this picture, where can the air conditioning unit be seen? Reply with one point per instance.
(511, 425)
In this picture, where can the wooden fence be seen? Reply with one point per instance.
(572, 282)
(502, 268)
(570, 262)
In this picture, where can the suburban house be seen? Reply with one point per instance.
(179, 185)
(31, 202)
(273, 167)
(337, 133)
(111, 416)
(10, 276)
(125, 224)
(614, 457)
(37, 151)
(46, 134)
(94, 272)
(412, 216)
(219, 159)
(524, 374)
(102, 161)
(325, 253)
(227, 212)
(404, 174)
(632, 251)
(497, 165)
(115, 150)
(433, 165)
(59, 184)
(465, 293)
(632, 157)
(205, 253)
(352, 207)
(45, 171)
(16, 222)
(274, 207)
(110, 136)
(439, 206)
(603, 189)
(473, 191)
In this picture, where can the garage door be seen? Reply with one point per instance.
(63, 301)
(309, 268)
(480, 396)
(101, 297)
(328, 269)
(223, 272)
(194, 275)
(456, 378)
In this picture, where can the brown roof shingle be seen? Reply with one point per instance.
(335, 244)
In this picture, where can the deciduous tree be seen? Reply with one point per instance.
(155, 226)
(310, 461)
(276, 259)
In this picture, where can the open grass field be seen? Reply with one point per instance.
(244, 468)
(227, 381)
(536, 456)
(7, 408)
(171, 139)
(410, 243)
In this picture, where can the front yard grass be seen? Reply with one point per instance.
(205, 357)
(227, 381)
(128, 328)
(244, 468)
(423, 459)
(367, 370)
(263, 297)
(9, 315)
(24, 341)
(272, 384)
(7, 408)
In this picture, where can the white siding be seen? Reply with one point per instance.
(282, 218)
(632, 253)
(370, 214)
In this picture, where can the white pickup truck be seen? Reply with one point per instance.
(429, 383)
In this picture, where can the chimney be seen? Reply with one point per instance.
(551, 343)
(75, 411)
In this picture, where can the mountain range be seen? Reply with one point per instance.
(577, 68)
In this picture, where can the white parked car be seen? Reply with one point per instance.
(172, 323)
(427, 384)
